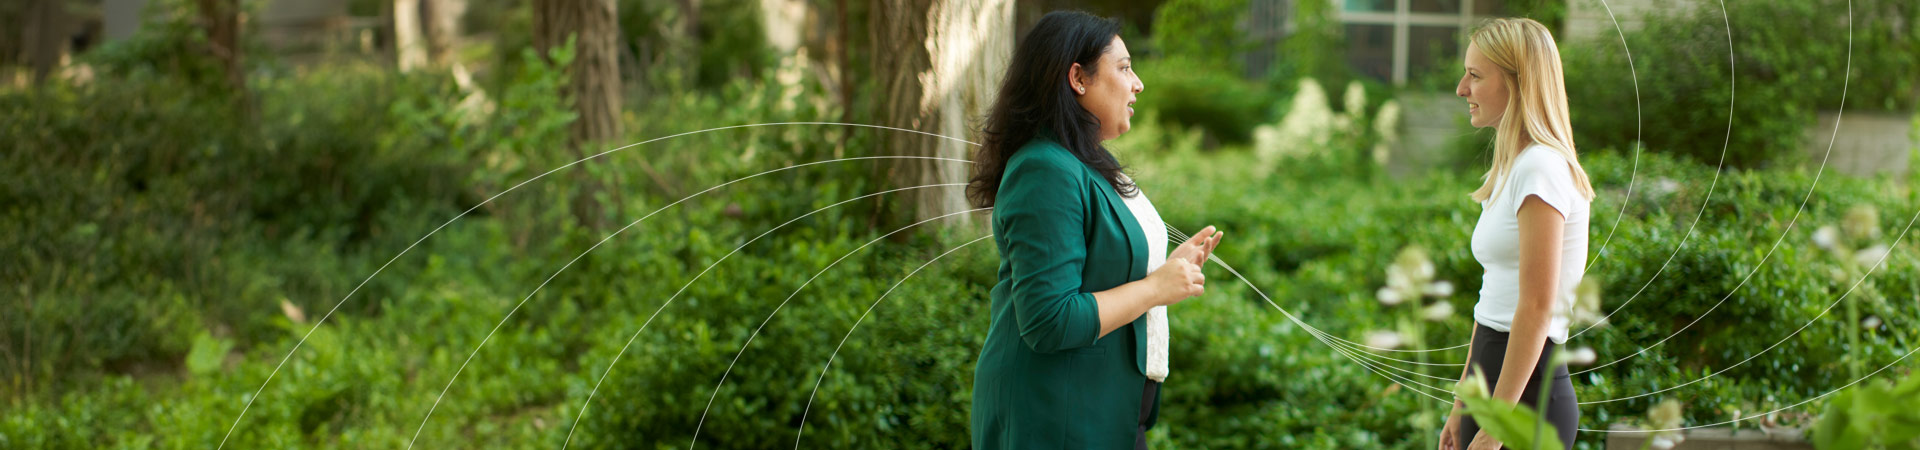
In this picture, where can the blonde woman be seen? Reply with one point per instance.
(1532, 234)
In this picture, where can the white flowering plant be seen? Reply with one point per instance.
(1665, 419)
(1311, 130)
(1410, 281)
(1853, 246)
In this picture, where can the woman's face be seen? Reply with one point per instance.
(1108, 89)
(1485, 88)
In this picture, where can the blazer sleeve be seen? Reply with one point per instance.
(1043, 219)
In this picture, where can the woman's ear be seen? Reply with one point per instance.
(1076, 80)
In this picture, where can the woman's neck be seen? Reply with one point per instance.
(1521, 138)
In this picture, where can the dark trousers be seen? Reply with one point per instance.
(1147, 395)
(1563, 410)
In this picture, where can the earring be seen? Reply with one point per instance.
(1082, 90)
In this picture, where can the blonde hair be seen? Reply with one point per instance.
(1536, 107)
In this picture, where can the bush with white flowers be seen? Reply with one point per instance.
(1854, 246)
(1410, 280)
(1311, 127)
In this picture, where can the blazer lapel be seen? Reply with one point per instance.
(1136, 245)
(1130, 228)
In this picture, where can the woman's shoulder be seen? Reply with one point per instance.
(1545, 171)
(1541, 160)
(1043, 154)
(1042, 171)
(1537, 155)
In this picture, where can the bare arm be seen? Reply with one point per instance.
(1121, 305)
(1541, 228)
(1177, 280)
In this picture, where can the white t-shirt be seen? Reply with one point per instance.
(1155, 231)
(1539, 171)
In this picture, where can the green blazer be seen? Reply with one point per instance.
(1046, 379)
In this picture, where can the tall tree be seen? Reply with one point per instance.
(441, 20)
(424, 31)
(595, 70)
(937, 63)
(221, 19)
(594, 79)
(409, 43)
(686, 46)
(44, 36)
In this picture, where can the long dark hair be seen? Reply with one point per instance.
(1036, 95)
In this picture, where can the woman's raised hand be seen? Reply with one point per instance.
(1178, 279)
(1198, 247)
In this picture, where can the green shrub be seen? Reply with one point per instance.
(149, 211)
(1216, 101)
(1788, 63)
(1201, 33)
(1318, 246)
(729, 43)
(145, 217)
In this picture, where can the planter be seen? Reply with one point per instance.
(1716, 438)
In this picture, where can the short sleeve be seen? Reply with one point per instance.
(1540, 172)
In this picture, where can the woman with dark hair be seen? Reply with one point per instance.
(1082, 252)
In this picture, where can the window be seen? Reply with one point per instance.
(1392, 40)
(1370, 49)
(1435, 6)
(1429, 46)
(1370, 5)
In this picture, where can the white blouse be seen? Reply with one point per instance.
(1155, 231)
(1539, 171)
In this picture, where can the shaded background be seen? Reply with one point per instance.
(189, 186)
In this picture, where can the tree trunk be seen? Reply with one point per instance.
(938, 63)
(594, 81)
(222, 21)
(44, 37)
(441, 20)
(840, 48)
(595, 71)
(408, 42)
(688, 43)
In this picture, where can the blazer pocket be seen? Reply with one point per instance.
(1095, 349)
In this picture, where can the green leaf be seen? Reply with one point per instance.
(1517, 427)
(1872, 415)
(1831, 431)
(207, 354)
